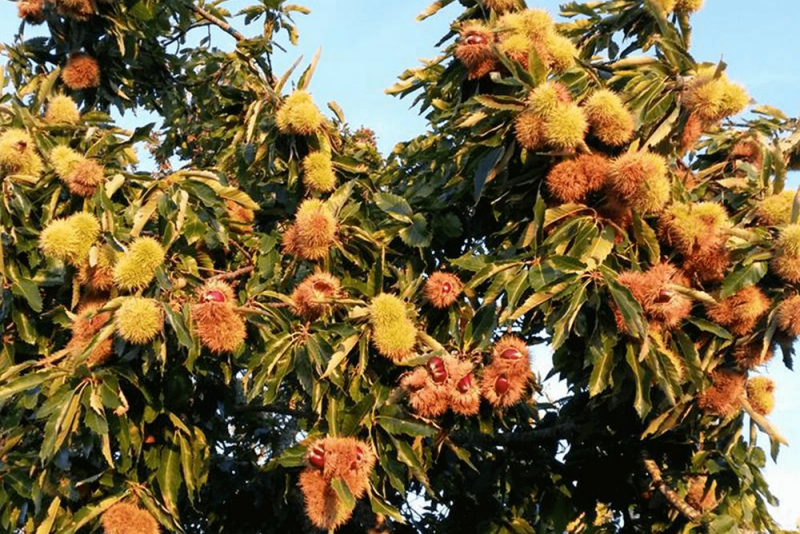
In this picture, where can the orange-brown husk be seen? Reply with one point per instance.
(323, 507)
(724, 396)
(751, 355)
(462, 402)
(517, 386)
(573, 180)
(81, 72)
(698, 496)
(98, 278)
(749, 150)
(218, 325)
(692, 131)
(76, 9)
(529, 130)
(316, 287)
(789, 316)
(350, 459)
(31, 11)
(520, 365)
(85, 327)
(442, 289)
(85, 177)
(426, 397)
(126, 518)
(709, 261)
(475, 51)
(740, 312)
(290, 243)
(660, 302)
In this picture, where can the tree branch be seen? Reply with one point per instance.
(537, 435)
(675, 500)
(224, 26)
(233, 32)
(234, 274)
(279, 410)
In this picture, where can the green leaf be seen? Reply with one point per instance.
(395, 206)
(433, 9)
(536, 66)
(481, 326)
(629, 307)
(563, 327)
(708, 326)
(346, 499)
(642, 383)
(46, 526)
(416, 235)
(601, 351)
(24, 383)
(341, 353)
(169, 478)
(486, 170)
(22, 287)
(175, 319)
(503, 103)
(187, 460)
(143, 10)
(723, 524)
(354, 417)
(86, 514)
(534, 301)
(646, 238)
(743, 277)
(379, 506)
(600, 248)
(397, 426)
(410, 457)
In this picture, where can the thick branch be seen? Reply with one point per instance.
(681, 505)
(280, 410)
(537, 435)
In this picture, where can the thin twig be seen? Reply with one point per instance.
(253, 311)
(224, 26)
(675, 500)
(233, 32)
(234, 274)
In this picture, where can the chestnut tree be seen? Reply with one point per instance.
(278, 329)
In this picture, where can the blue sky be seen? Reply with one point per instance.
(367, 43)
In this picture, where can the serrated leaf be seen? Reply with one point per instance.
(743, 277)
(395, 206)
(601, 350)
(486, 170)
(169, 478)
(503, 103)
(379, 506)
(22, 287)
(417, 234)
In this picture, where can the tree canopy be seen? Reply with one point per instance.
(280, 329)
